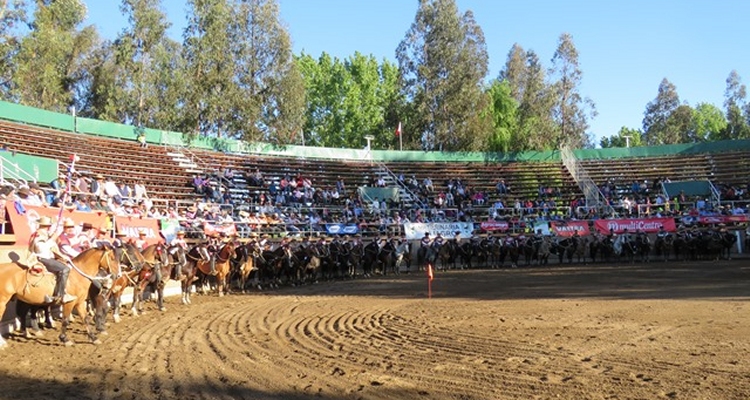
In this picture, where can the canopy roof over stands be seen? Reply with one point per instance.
(691, 188)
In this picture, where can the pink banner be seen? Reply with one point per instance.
(722, 219)
(133, 226)
(648, 225)
(494, 226)
(224, 229)
(26, 223)
(567, 228)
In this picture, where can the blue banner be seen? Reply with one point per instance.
(342, 229)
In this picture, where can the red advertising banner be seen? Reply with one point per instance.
(132, 226)
(224, 229)
(722, 219)
(567, 228)
(494, 226)
(25, 224)
(648, 225)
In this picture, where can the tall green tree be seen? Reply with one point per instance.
(514, 71)
(12, 16)
(536, 126)
(212, 92)
(443, 62)
(571, 110)
(625, 137)
(349, 99)
(50, 58)
(708, 123)
(271, 93)
(503, 110)
(658, 112)
(679, 126)
(735, 99)
(135, 51)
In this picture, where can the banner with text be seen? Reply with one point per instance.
(222, 229)
(722, 219)
(25, 224)
(567, 228)
(342, 229)
(491, 226)
(648, 225)
(132, 227)
(415, 231)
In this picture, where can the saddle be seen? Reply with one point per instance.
(31, 263)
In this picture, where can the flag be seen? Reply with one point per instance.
(398, 130)
(430, 276)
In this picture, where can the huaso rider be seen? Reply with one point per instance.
(43, 244)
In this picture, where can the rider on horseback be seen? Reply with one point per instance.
(44, 246)
(179, 241)
(209, 249)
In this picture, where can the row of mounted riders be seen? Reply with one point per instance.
(247, 264)
(493, 251)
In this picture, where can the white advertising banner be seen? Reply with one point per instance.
(416, 231)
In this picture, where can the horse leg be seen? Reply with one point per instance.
(160, 296)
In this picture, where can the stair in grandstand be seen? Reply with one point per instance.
(594, 197)
(238, 188)
(407, 197)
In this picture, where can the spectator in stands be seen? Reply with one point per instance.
(141, 138)
(82, 203)
(501, 188)
(112, 191)
(427, 183)
(96, 189)
(29, 197)
(380, 182)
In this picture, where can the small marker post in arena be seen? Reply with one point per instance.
(430, 277)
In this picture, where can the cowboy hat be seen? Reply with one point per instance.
(44, 221)
(141, 232)
(121, 234)
(180, 233)
(24, 191)
(68, 223)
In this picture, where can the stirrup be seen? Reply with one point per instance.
(67, 298)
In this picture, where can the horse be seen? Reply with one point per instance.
(246, 265)
(31, 287)
(370, 258)
(387, 258)
(135, 268)
(222, 263)
(164, 269)
(31, 322)
(157, 257)
(426, 255)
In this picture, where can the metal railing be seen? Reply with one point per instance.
(593, 195)
(11, 172)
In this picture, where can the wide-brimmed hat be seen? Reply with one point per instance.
(121, 234)
(141, 232)
(24, 191)
(44, 221)
(68, 223)
(180, 233)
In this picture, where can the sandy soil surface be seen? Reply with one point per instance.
(672, 331)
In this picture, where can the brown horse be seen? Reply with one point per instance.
(157, 256)
(223, 256)
(134, 274)
(31, 288)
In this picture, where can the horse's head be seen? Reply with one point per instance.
(93, 260)
(128, 255)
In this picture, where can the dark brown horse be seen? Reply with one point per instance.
(31, 288)
(157, 256)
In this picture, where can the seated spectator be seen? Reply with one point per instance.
(501, 188)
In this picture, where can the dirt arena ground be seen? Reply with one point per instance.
(655, 331)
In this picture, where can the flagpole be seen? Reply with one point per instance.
(401, 141)
(429, 280)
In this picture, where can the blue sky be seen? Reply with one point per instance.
(625, 47)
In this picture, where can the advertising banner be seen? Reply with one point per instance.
(222, 229)
(133, 226)
(648, 225)
(567, 228)
(490, 226)
(169, 228)
(26, 223)
(415, 231)
(342, 229)
(722, 219)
